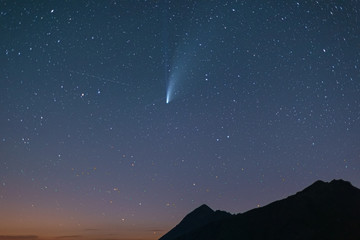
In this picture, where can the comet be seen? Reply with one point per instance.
(170, 90)
(174, 85)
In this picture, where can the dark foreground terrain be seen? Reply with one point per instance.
(321, 211)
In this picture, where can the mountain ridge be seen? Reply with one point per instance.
(323, 210)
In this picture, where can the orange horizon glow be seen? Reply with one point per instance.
(33, 231)
(86, 236)
(24, 221)
(70, 237)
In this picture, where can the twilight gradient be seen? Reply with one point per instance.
(263, 99)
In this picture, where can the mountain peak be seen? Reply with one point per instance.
(198, 218)
(321, 186)
(204, 206)
(202, 210)
(340, 182)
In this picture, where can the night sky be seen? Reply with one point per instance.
(117, 118)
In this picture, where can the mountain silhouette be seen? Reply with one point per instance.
(198, 218)
(324, 210)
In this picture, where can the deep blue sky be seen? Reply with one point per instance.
(265, 99)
